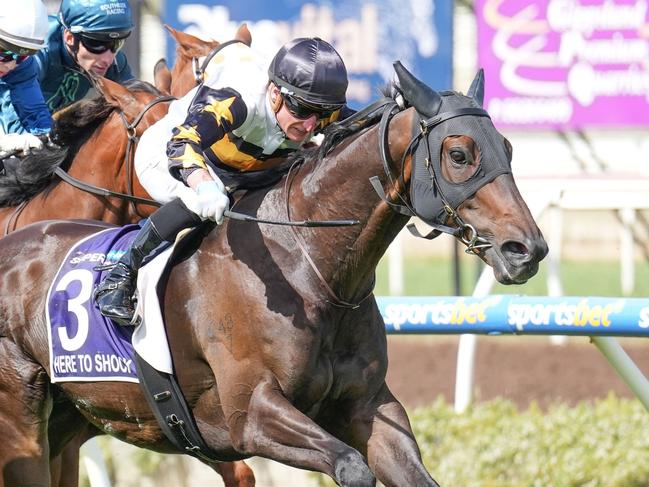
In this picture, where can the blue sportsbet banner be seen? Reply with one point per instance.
(511, 314)
(369, 35)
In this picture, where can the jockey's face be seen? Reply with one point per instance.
(95, 63)
(296, 129)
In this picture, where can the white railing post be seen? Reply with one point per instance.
(93, 460)
(627, 251)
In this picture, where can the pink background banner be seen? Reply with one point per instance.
(565, 63)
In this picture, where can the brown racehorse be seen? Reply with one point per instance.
(296, 374)
(95, 136)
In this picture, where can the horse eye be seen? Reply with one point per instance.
(457, 156)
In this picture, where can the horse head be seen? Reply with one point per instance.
(188, 69)
(461, 179)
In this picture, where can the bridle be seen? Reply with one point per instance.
(465, 232)
(386, 108)
(199, 69)
(133, 138)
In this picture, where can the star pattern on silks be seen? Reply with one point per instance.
(221, 110)
(191, 158)
(188, 133)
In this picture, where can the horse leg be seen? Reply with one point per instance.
(64, 468)
(24, 454)
(235, 474)
(274, 428)
(381, 430)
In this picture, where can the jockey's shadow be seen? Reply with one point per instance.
(250, 247)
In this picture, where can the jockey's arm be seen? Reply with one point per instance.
(212, 115)
(197, 177)
(27, 98)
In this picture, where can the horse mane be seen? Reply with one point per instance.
(73, 126)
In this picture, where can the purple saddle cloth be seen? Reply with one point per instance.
(84, 345)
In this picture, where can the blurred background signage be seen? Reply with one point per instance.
(565, 63)
(369, 35)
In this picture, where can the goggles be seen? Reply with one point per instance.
(97, 46)
(300, 109)
(8, 56)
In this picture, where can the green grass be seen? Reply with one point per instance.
(432, 276)
(493, 444)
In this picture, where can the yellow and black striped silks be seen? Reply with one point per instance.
(206, 137)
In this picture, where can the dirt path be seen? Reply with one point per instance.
(522, 369)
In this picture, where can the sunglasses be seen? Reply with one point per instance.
(96, 46)
(8, 56)
(302, 111)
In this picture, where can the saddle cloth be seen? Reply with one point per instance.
(85, 345)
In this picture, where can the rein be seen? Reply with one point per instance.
(129, 156)
(360, 119)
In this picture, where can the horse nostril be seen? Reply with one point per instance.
(515, 250)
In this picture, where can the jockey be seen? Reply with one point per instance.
(221, 133)
(87, 35)
(23, 113)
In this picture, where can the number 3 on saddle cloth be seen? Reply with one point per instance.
(85, 345)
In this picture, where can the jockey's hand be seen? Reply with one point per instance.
(212, 200)
(11, 144)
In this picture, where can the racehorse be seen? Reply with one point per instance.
(297, 374)
(98, 139)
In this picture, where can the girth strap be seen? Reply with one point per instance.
(168, 404)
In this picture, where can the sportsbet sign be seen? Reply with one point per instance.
(370, 35)
(507, 314)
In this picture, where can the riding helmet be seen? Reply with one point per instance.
(23, 26)
(311, 70)
(103, 20)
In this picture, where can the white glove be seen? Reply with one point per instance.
(212, 200)
(13, 143)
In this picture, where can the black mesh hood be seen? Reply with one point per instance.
(312, 70)
(426, 197)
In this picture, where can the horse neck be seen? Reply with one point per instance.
(339, 188)
(100, 162)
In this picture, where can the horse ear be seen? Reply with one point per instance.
(116, 95)
(162, 76)
(426, 101)
(476, 90)
(243, 35)
(189, 45)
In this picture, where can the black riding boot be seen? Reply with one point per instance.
(114, 294)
